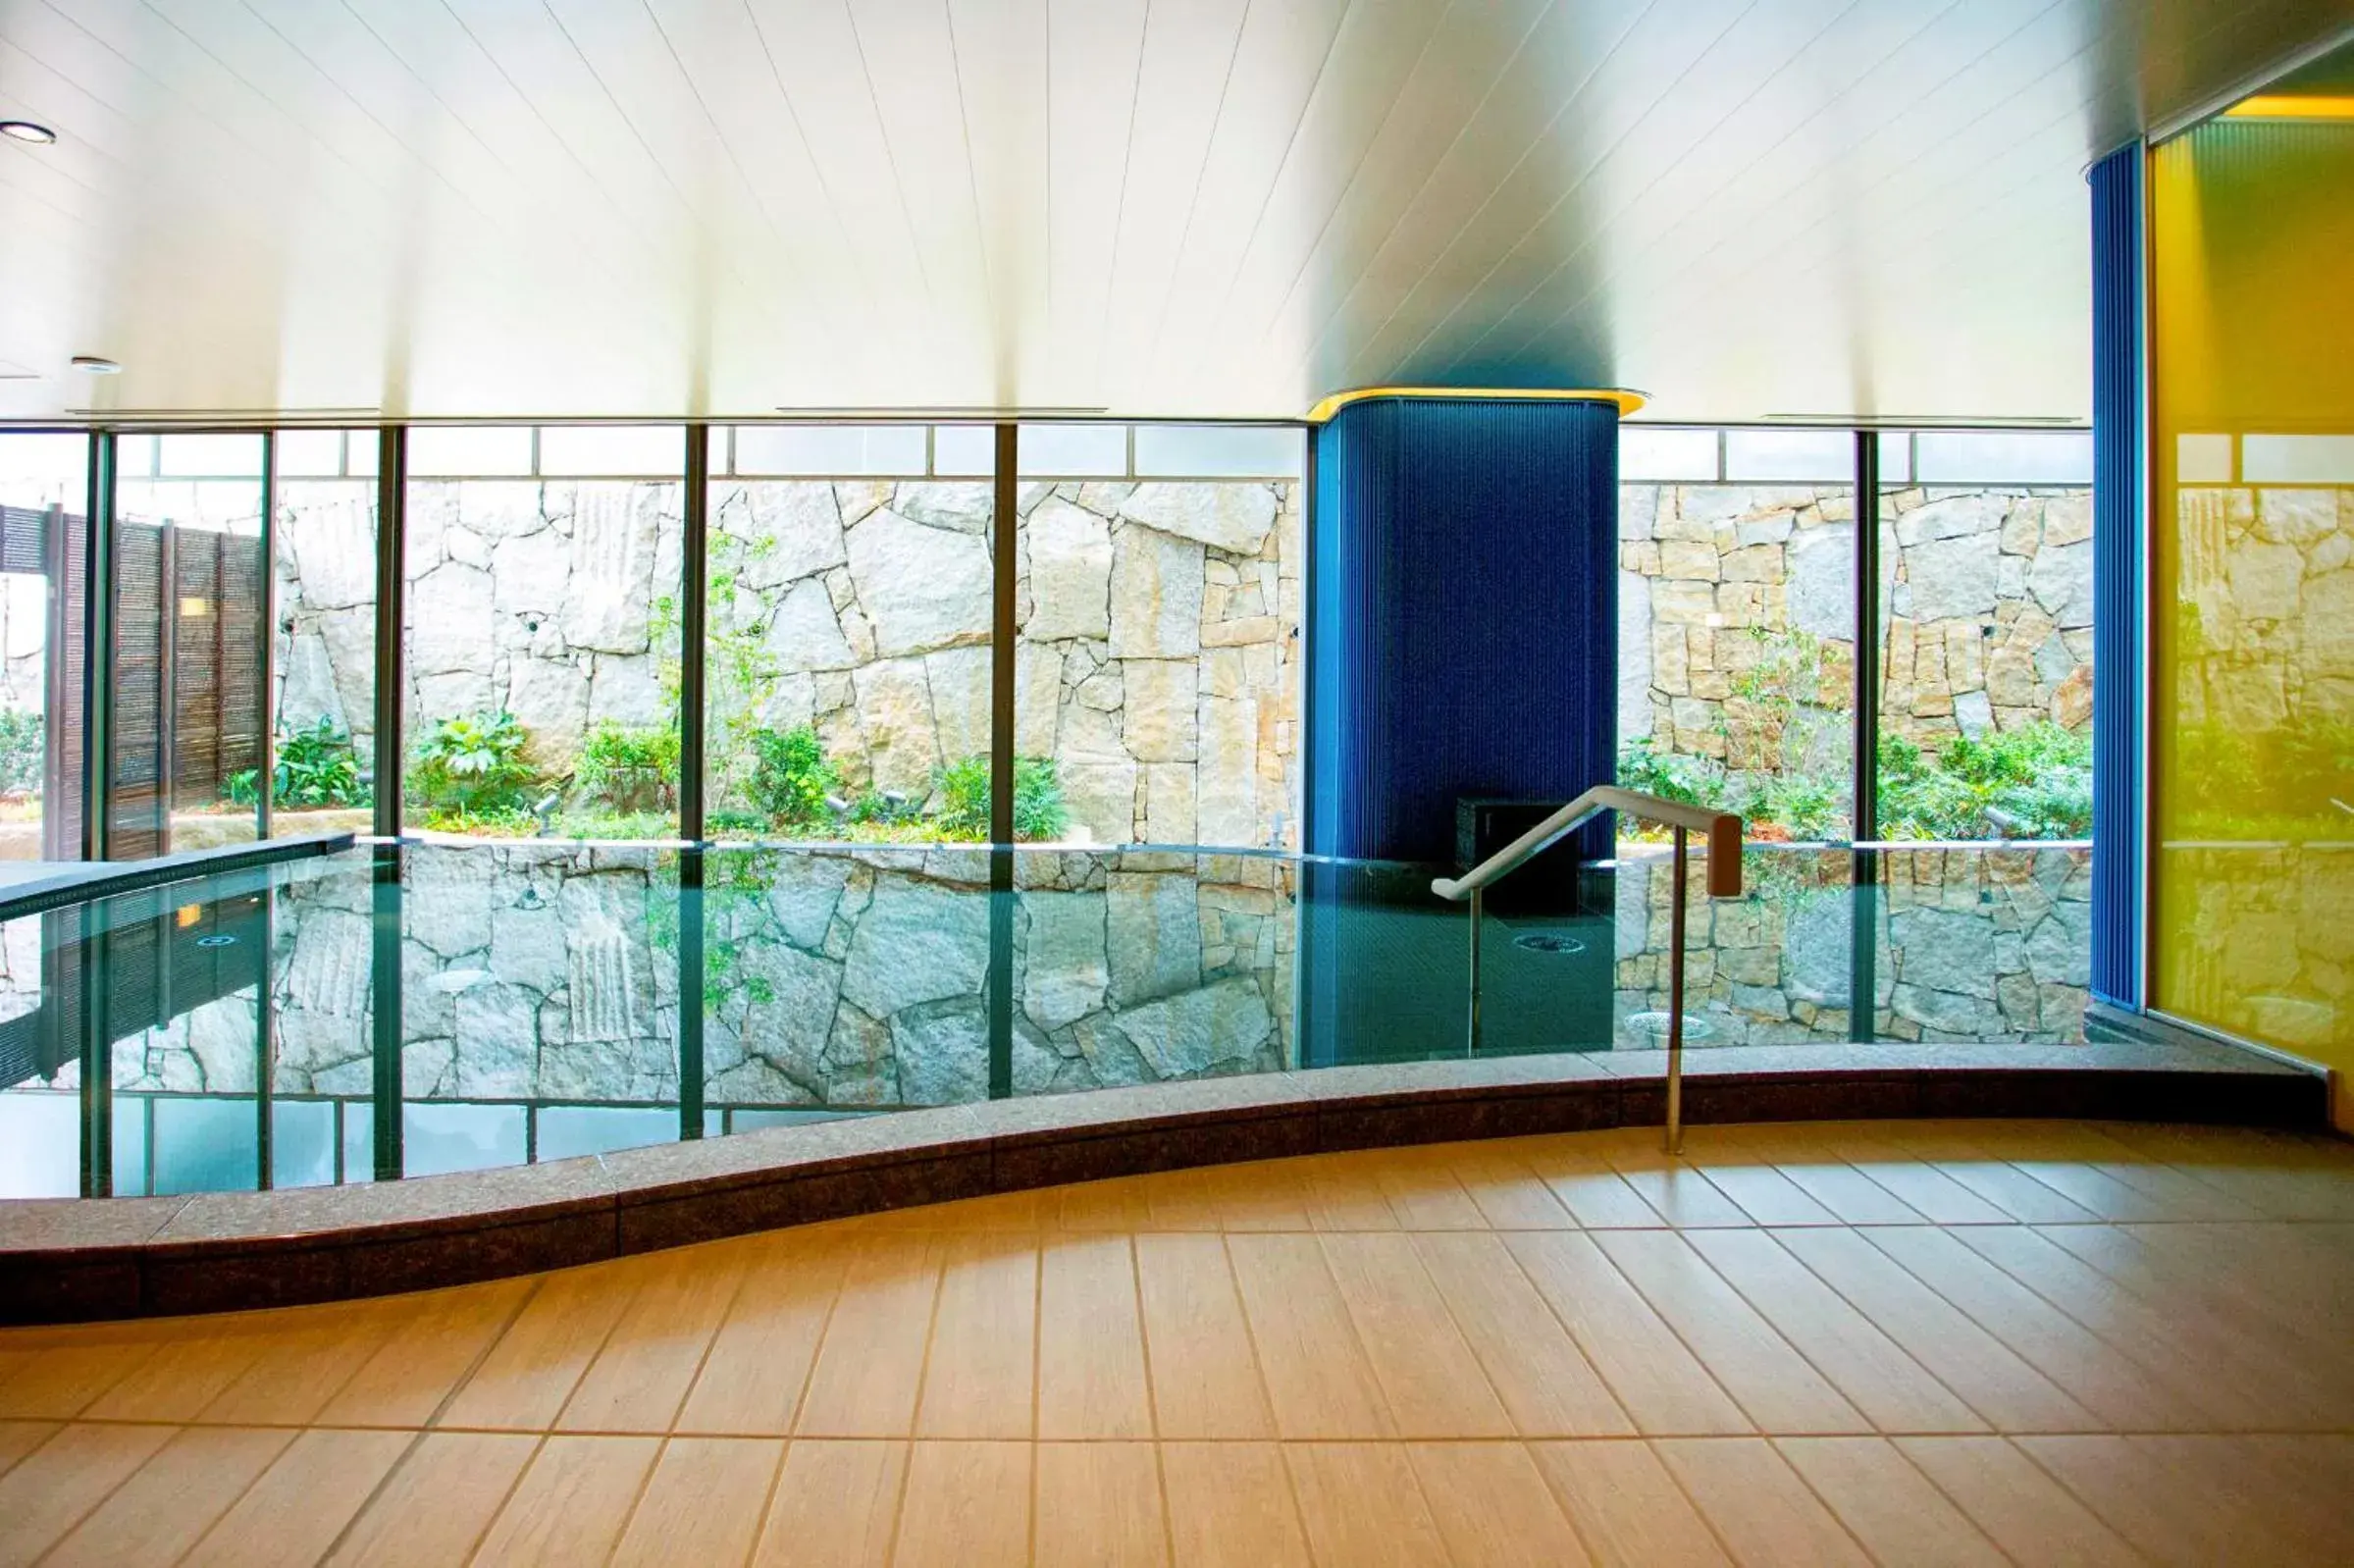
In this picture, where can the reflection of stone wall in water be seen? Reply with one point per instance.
(1972, 945)
(1989, 615)
(526, 972)
(832, 979)
(857, 980)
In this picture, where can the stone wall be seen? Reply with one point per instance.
(1159, 622)
(1970, 945)
(555, 599)
(1736, 619)
(23, 641)
(1160, 658)
(325, 661)
(1991, 611)
(1736, 615)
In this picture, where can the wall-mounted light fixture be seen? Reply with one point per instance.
(2292, 106)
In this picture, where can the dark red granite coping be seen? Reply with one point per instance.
(68, 1260)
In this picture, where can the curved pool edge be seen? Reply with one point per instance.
(81, 1260)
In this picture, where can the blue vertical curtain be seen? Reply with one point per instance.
(1466, 630)
(2120, 474)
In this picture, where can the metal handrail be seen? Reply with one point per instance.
(1724, 881)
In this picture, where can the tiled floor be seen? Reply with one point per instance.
(1929, 1343)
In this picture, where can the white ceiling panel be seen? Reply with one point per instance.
(728, 208)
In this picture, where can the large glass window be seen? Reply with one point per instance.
(2252, 571)
(541, 634)
(188, 704)
(1736, 625)
(1986, 635)
(1158, 611)
(44, 482)
(324, 663)
(847, 672)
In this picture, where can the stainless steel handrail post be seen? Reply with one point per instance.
(1675, 1006)
(1473, 1025)
(1724, 881)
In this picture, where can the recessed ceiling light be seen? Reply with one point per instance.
(27, 130)
(96, 365)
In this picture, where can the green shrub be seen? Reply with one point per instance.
(1670, 776)
(877, 808)
(791, 777)
(728, 819)
(1806, 804)
(2033, 782)
(470, 773)
(23, 751)
(629, 770)
(1040, 814)
(506, 821)
(317, 768)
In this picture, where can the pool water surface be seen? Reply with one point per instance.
(401, 1011)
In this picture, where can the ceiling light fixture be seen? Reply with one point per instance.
(944, 412)
(27, 130)
(96, 365)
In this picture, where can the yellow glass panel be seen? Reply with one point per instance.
(2252, 604)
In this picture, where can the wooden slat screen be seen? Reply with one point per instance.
(136, 827)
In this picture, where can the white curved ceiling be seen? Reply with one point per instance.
(1216, 207)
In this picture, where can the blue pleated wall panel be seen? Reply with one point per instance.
(1465, 632)
(2120, 464)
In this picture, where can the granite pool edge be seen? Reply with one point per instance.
(81, 1260)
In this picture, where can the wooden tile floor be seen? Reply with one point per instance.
(1903, 1343)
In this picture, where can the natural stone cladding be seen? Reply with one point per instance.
(1970, 945)
(1157, 661)
(1737, 618)
(555, 599)
(1160, 627)
(325, 661)
(1159, 624)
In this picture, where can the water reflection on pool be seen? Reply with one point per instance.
(433, 1008)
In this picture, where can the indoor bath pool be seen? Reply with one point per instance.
(389, 1012)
